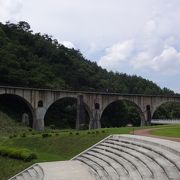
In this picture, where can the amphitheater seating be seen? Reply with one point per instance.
(126, 157)
(35, 172)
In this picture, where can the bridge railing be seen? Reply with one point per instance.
(90, 92)
(165, 121)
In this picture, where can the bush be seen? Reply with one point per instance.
(23, 135)
(52, 126)
(70, 133)
(14, 135)
(22, 154)
(77, 133)
(45, 135)
(88, 132)
(10, 137)
(103, 131)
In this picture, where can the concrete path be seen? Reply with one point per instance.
(66, 170)
(148, 132)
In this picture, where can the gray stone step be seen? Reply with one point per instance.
(166, 165)
(131, 156)
(92, 169)
(166, 152)
(39, 171)
(118, 171)
(131, 164)
(99, 170)
(20, 177)
(141, 168)
(26, 175)
(131, 169)
(32, 172)
(114, 162)
(148, 152)
(112, 175)
(167, 145)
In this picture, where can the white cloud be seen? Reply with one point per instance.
(156, 48)
(150, 28)
(68, 44)
(116, 54)
(10, 10)
(168, 62)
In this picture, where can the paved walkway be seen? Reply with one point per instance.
(148, 132)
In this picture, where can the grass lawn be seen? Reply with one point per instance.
(173, 131)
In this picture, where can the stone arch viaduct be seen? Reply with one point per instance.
(39, 100)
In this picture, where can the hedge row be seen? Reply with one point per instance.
(23, 154)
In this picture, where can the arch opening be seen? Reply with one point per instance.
(40, 103)
(62, 114)
(17, 108)
(121, 113)
(96, 105)
(167, 110)
(148, 111)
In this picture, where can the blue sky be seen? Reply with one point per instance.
(131, 36)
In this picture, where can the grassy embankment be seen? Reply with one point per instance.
(62, 145)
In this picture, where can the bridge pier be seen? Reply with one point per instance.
(80, 120)
(146, 120)
(95, 120)
(38, 120)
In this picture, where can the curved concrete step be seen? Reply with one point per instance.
(110, 162)
(26, 175)
(39, 170)
(128, 166)
(168, 145)
(168, 166)
(19, 177)
(141, 169)
(121, 171)
(136, 160)
(108, 169)
(34, 172)
(135, 165)
(102, 174)
(168, 153)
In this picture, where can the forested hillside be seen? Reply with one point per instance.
(36, 60)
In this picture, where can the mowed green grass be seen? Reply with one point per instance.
(173, 131)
